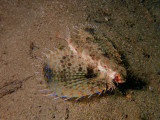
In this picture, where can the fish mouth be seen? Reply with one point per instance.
(120, 81)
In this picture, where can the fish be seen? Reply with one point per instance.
(81, 70)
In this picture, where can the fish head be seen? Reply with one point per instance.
(118, 79)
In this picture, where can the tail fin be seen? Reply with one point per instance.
(64, 34)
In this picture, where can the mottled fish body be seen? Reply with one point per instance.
(81, 69)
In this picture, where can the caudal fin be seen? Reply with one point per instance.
(64, 34)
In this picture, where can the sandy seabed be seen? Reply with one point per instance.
(28, 27)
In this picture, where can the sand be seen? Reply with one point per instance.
(28, 27)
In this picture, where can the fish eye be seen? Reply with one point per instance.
(116, 77)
